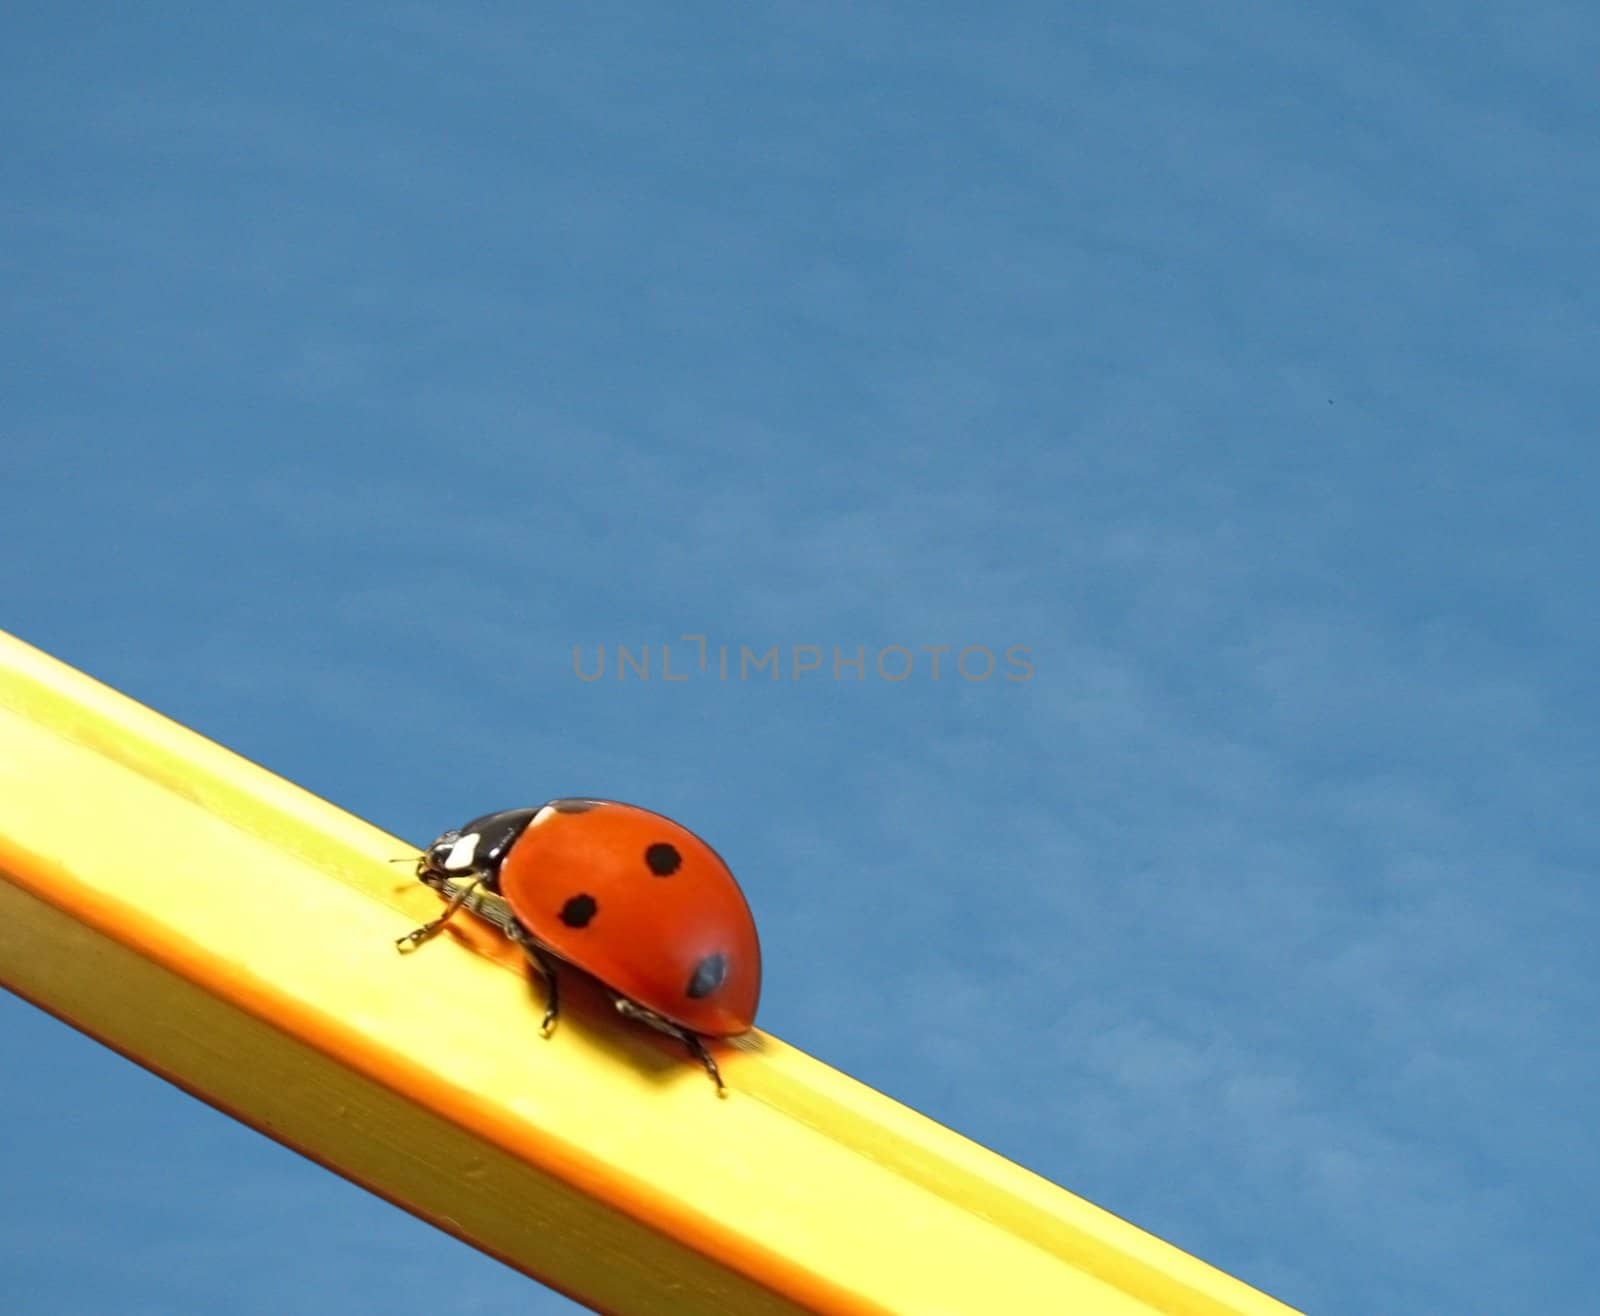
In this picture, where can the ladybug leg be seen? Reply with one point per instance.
(458, 898)
(629, 1010)
(697, 1049)
(546, 969)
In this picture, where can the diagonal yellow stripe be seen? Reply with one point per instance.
(235, 934)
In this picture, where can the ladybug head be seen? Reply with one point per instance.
(475, 850)
(433, 864)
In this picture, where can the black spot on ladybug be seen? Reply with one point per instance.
(577, 912)
(664, 859)
(708, 975)
(573, 806)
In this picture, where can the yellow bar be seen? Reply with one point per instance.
(235, 934)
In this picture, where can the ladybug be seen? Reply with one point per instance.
(626, 896)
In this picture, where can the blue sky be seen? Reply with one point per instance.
(1235, 360)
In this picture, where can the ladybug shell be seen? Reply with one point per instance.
(644, 905)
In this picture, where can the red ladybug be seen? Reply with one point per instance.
(631, 898)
